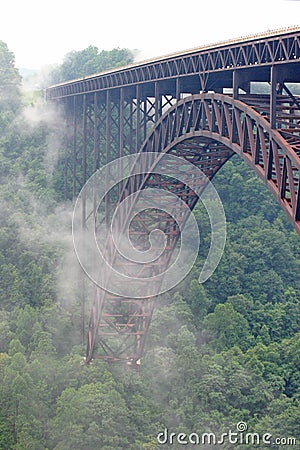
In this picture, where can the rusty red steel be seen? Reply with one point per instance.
(195, 123)
(261, 50)
(180, 105)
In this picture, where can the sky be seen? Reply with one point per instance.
(41, 32)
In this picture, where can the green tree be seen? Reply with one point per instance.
(77, 64)
(227, 327)
(94, 416)
(198, 299)
(10, 81)
(19, 400)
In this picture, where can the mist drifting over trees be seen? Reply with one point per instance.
(217, 354)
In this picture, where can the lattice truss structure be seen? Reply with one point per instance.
(203, 106)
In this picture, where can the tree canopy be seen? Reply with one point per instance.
(90, 60)
(217, 354)
(10, 82)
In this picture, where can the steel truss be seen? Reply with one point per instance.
(163, 107)
(261, 50)
(206, 129)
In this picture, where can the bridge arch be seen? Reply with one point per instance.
(110, 112)
(209, 128)
(206, 129)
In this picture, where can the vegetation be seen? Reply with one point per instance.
(79, 64)
(217, 354)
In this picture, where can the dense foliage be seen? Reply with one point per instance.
(10, 81)
(218, 354)
(84, 62)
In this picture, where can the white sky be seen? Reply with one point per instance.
(41, 32)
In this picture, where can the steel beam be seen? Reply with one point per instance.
(254, 52)
(120, 112)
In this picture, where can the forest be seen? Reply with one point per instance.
(219, 354)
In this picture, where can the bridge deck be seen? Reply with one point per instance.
(259, 51)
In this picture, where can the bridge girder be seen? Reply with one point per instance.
(163, 106)
(204, 66)
(206, 129)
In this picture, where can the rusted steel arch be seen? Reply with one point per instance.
(240, 128)
(118, 326)
(206, 129)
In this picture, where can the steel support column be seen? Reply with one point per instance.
(240, 80)
(273, 95)
(107, 149)
(74, 147)
(158, 105)
(138, 119)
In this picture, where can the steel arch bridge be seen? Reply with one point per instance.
(203, 105)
